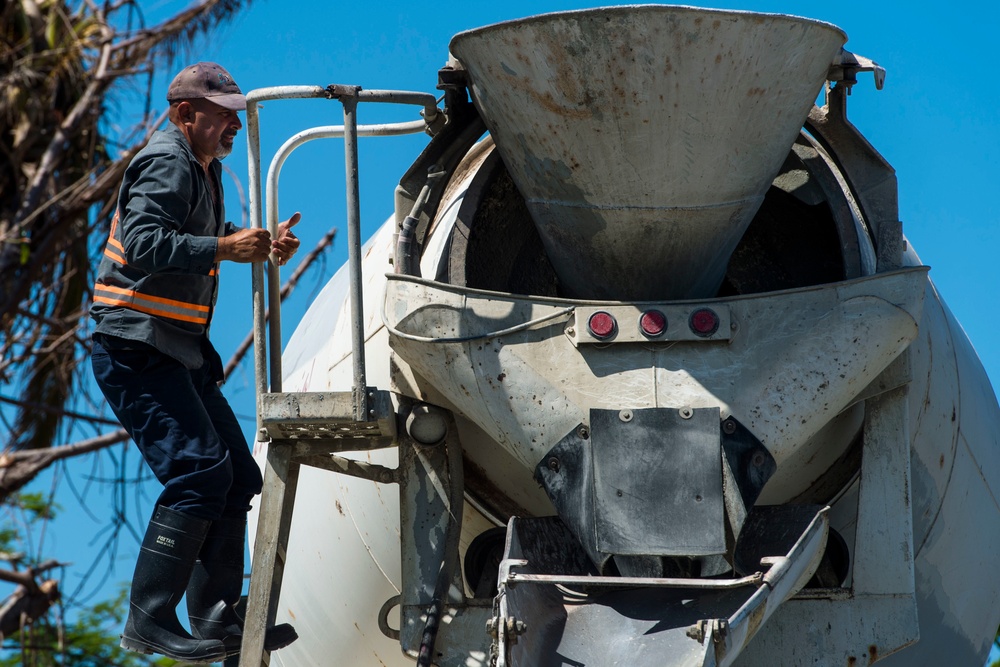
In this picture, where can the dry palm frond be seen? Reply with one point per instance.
(60, 66)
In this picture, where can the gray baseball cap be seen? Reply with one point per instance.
(208, 81)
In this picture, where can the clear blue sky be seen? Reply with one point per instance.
(934, 122)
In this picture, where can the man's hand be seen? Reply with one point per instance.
(254, 245)
(246, 245)
(287, 243)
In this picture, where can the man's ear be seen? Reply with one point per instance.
(185, 112)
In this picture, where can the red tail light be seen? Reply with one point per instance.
(653, 323)
(704, 322)
(602, 325)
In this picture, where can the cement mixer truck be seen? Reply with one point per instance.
(642, 371)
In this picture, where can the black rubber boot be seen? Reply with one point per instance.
(167, 556)
(215, 587)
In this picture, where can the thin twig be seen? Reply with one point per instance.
(286, 289)
(56, 411)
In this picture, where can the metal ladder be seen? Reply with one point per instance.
(309, 428)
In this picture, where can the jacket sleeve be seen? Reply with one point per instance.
(156, 207)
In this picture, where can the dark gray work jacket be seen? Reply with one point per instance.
(158, 281)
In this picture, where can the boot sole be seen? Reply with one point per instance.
(282, 640)
(135, 647)
(281, 636)
(138, 646)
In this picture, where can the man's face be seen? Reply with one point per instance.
(212, 129)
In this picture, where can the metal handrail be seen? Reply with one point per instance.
(267, 358)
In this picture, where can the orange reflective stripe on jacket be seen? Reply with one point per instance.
(152, 305)
(114, 248)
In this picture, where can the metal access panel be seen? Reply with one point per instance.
(658, 481)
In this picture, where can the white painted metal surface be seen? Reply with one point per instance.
(343, 556)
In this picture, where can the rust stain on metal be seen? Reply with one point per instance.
(339, 508)
(872, 654)
(755, 619)
(547, 101)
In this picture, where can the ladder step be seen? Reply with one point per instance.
(326, 416)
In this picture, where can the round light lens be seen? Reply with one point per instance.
(704, 322)
(653, 323)
(602, 325)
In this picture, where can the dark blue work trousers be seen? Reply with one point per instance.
(183, 426)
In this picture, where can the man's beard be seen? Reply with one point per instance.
(222, 151)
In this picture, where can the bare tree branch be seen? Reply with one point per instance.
(20, 467)
(25, 605)
(27, 576)
(93, 419)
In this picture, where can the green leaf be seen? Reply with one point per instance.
(51, 27)
(37, 505)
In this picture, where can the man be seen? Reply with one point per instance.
(153, 302)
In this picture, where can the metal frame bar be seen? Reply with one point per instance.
(254, 98)
(267, 359)
(350, 103)
(281, 473)
(271, 189)
(513, 578)
(281, 477)
(431, 494)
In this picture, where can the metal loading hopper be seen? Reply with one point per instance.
(644, 138)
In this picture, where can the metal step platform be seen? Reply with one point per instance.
(327, 419)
